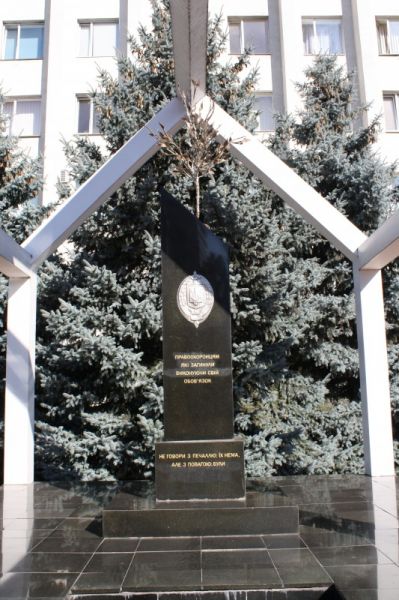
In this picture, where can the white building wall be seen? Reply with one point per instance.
(62, 74)
(377, 74)
(69, 75)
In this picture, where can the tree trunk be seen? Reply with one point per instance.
(197, 196)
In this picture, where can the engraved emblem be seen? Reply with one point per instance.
(195, 298)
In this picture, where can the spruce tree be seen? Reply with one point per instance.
(294, 357)
(340, 162)
(100, 347)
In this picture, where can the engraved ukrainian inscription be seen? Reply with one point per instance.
(197, 368)
(214, 468)
(194, 460)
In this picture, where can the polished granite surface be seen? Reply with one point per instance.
(130, 515)
(52, 545)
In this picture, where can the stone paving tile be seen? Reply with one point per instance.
(34, 536)
(318, 537)
(239, 569)
(370, 594)
(164, 571)
(68, 544)
(350, 555)
(283, 541)
(298, 567)
(72, 534)
(35, 585)
(346, 514)
(168, 544)
(231, 542)
(87, 510)
(356, 577)
(119, 545)
(47, 562)
(87, 524)
(103, 562)
(22, 524)
(104, 572)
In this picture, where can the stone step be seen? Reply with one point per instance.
(309, 593)
(131, 515)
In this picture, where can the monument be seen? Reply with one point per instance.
(199, 466)
(200, 458)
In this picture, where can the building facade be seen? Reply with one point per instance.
(51, 51)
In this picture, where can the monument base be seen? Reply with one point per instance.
(200, 470)
(133, 515)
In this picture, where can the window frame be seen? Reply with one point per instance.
(80, 98)
(14, 101)
(240, 21)
(265, 94)
(18, 25)
(395, 97)
(385, 21)
(91, 23)
(313, 21)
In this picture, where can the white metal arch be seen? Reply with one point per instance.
(369, 255)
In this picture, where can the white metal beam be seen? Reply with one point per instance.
(190, 28)
(382, 247)
(14, 260)
(96, 190)
(20, 381)
(280, 178)
(374, 372)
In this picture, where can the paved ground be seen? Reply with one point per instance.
(52, 545)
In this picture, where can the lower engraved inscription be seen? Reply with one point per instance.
(195, 460)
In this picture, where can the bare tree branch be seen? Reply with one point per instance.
(196, 154)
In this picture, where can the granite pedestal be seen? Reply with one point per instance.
(129, 515)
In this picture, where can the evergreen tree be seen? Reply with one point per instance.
(20, 212)
(295, 363)
(100, 352)
(320, 143)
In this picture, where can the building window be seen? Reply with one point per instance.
(391, 110)
(23, 41)
(388, 36)
(322, 36)
(264, 108)
(23, 117)
(251, 34)
(98, 38)
(87, 116)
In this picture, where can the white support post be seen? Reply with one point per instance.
(190, 27)
(19, 396)
(374, 374)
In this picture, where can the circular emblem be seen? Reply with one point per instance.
(195, 298)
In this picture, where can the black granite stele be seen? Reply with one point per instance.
(200, 458)
(197, 375)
